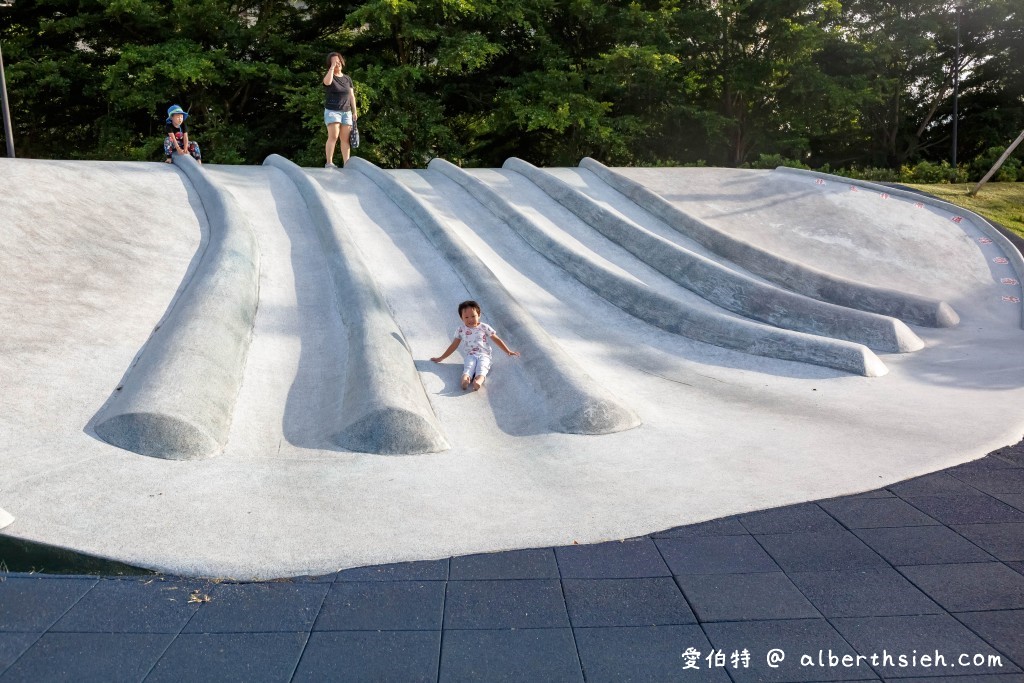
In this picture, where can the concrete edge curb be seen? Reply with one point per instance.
(722, 286)
(177, 400)
(1012, 253)
(796, 276)
(5, 518)
(384, 408)
(576, 403)
(665, 312)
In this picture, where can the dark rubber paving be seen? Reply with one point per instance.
(923, 580)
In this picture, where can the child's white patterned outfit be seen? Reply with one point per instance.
(477, 349)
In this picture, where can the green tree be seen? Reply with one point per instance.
(93, 78)
(992, 91)
(54, 86)
(412, 60)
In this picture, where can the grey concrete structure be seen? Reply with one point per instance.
(384, 408)
(734, 291)
(920, 581)
(706, 324)
(575, 403)
(796, 276)
(177, 399)
(957, 213)
(87, 273)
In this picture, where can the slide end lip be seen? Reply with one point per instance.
(392, 431)
(158, 435)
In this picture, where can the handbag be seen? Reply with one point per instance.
(353, 135)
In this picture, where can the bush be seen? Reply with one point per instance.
(923, 172)
(1009, 172)
(926, 172)
(770, 161)
(877, 175)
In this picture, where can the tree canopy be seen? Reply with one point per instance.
(652, 82)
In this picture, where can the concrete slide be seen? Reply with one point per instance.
(384, 408)
(792, 274)
(672, 315)
(723, 286)
(574, 402)
(296, 312)
(177, 400)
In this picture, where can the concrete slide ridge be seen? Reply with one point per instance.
(177, 399)
(723, 286)
(798, 277)
(384, 408)
(1011, 252)
(667, 313)
(5, 518)
(576, 403)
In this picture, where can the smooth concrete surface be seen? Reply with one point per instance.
(931, 566)
(956, 213)
(723, 286)
(88, 274)
(177, 399)
(791, 273)
(701, 323)
(384, 408)
(574, 403)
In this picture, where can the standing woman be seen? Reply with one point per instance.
(339, 108)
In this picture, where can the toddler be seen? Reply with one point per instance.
(177, 135)
(478, 336)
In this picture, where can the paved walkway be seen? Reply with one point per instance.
(931, 566)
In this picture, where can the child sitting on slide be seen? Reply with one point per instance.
(478, 336)
(177, 141)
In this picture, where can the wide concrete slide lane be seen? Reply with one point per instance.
(176, 401)
(705, 323)
(723, 286)
(384, 407)
(575, 402)
(798, 277)
(1011, 253)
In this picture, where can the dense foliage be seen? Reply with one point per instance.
(847, 83)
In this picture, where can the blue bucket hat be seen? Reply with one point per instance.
(175, 109)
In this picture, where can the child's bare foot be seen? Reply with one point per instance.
(169, 160)
(465, 382)
(477, 383)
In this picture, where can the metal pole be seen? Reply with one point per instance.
(995, 167)
(956, 86)
(8, 133)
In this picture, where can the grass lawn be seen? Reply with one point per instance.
(1000, 202)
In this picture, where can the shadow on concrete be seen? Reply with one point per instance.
(312, 413)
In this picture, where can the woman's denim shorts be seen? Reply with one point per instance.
(342, 117)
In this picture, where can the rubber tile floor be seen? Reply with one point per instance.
(922, 580)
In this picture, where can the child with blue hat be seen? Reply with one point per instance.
(177, 135)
